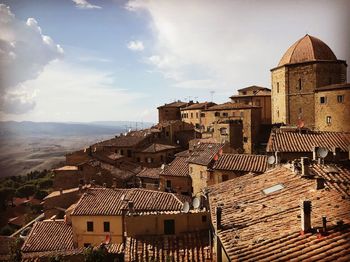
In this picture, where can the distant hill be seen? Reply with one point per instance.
(28, 146)
(28, 128)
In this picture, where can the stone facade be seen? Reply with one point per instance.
(332, 109)
(176, 184)
(200, 177)
(301, 71)
(171, 111)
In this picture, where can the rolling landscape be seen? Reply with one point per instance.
(28, 146)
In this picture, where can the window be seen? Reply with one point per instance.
(198, 126)
(129, 152)
(204, 219)
(273, 189)
(87, 245)
(167, 133)
(244, 92)
(323, 100)
(329, 120)
(106, 227)
(224, 178)
(278, 87)
(90, 226)
(201, 174)
(202, 114)
(300, 110)
(191, 170)
(149, 160)
(197, 115)
(257, 102)
(225, 114)
(217, 113)
(245, 139)
(299, 84)
(169, 227)
(161, 158)
(138, 159)
(168, 183)
(223, 131)
(340, 98)
(278, 113)
(191, 115)
(121, 151)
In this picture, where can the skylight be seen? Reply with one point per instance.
(273, 189)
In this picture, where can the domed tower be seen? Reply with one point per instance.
(307, 65)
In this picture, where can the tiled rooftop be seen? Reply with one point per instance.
(203, 153)
(267, 226)
(131, 139)
(49, 235)
(178, 167)
(106, 201)
(174, 104)
(155, 147)
(231, 106)
(294, 141)
(333, 87)
(242, 162)
(197, 106)
(337, 177)
(150, 173)
(188, 247)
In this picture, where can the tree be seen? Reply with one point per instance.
(40, 194)
(99, 254)
(6, 194)
(15, 250)
(26, 191)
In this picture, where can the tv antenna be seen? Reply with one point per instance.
(211, 95)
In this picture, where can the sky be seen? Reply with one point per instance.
(109, 60)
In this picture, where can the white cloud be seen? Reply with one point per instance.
(136, 46)
(24, 52)
(80, 93)
(232, 44)
(83, 4)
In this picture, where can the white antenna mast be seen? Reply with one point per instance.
(211, 95)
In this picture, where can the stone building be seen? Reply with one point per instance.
(332, 108)
(257, 96)
(307, 65)
(171, 111)
(156, 154)
(192, 114)
(149, 178)
(175, 177)
(233, 123)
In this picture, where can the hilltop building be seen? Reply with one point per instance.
(192, 114)
(171, 111)
(297, 81)
(256, 96)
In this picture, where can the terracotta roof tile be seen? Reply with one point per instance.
(308, 48)
(242, 162)
(204, 153)
(287, 141)
(260, 226)
(106, 201)
(187, 247)
(178, 167)
(49, 235)
(231, 106)
(150, 173)
(155, 147)
(333, 87)
(197, 106)
(178, 104)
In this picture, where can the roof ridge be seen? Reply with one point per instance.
(312, 45)
(295, 46)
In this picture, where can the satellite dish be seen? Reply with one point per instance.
(186, 207)
(162, 167)
(177, 142)
(322, 152)
(196, 202)
(271, 160)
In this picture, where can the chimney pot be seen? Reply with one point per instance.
(306, 215)
(304, 167)
(218, 217)
(324, 223)
(320, 183)
(314, 153)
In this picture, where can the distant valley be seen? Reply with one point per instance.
(27, 146)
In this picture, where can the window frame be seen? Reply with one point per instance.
(106, 225)
(89, 226)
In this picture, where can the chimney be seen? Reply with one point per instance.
(314, 153)
(61, 191)
(324, 224)
(80, 187)
(336, 153)
(320, 183)
(92, 183)
(218, 217)
(304, 166)
(131, 207)
(277, 156)
(305, 215)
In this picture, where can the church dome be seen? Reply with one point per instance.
(308, 48)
